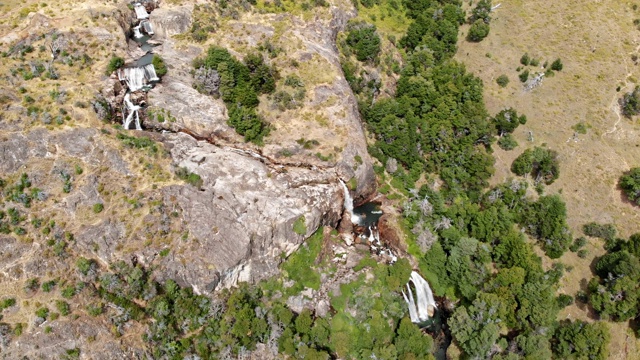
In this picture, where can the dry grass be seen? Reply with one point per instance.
(595, 41)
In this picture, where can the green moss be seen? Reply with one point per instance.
(300, 265)
(300, 226)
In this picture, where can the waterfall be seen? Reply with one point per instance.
(150, 72)
(134, 77)
(136, 32)
(141, 12)
(423, 303)
(146, 25)
(348, 204)
(133, 111)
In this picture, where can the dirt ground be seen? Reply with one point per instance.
(595, 40)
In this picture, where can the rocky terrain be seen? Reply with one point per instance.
(237, 224)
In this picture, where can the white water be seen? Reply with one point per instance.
(348, 204)
(134, 77)
(133, 112)
(150, 72)
(422, 303)
(146, 25)
(136, 32)
(141, 12)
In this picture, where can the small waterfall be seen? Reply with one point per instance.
(146, 26)
(136, 32)
(134, 77)
(133, 112)
(141, 12)
(150, 72)
(348, 204)
(422, 305)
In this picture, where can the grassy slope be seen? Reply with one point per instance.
(595, 41)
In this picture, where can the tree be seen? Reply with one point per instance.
(630, 103)
(546, 219)
(482, 11)
(582, 340)
(557, 65)
(476, 328)
(507, 120)
(630, 185)
(365, 41)
(503, 80)
(539, 162)
(478, 31)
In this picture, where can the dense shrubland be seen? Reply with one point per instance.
(238, 84)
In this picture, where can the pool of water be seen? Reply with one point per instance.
(368, 213)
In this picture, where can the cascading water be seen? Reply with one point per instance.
(133, 112)
(348, 204)
(136, 32)
(135, 78)
(150, 72)
(146, 25)
(422, 305)
(141, 12)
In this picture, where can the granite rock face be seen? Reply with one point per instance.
(243, 214)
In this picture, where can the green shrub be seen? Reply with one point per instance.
(604, 231)
(159, 65)
(478, 31)
(95, 309)
(63, 307)
(191, 178)
(507, 142)
(525, 59)
(114, 64)
(503, 80)
(98, 207)
(630, 185)
(7, 303)
(42, 312)
(557, 65)
(48, 285)
(524, 76)
(364, 41)
(239, 87)
(541, 163)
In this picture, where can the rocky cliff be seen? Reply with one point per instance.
(254, 204)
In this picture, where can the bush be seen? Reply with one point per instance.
(97, 208)
(539, 162)
(503, 80)
(525, 59)
(524, 76)
(63, 307)
(564, 300)
(507, 142)
(364, 41)
(605, 232)
(42, 312)
(159, 65)
(630, 185)
(557, 65)
(478, 31)
(239, 85)
(577, 244)
(630, 103)
(191, 178)
(114, 64)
